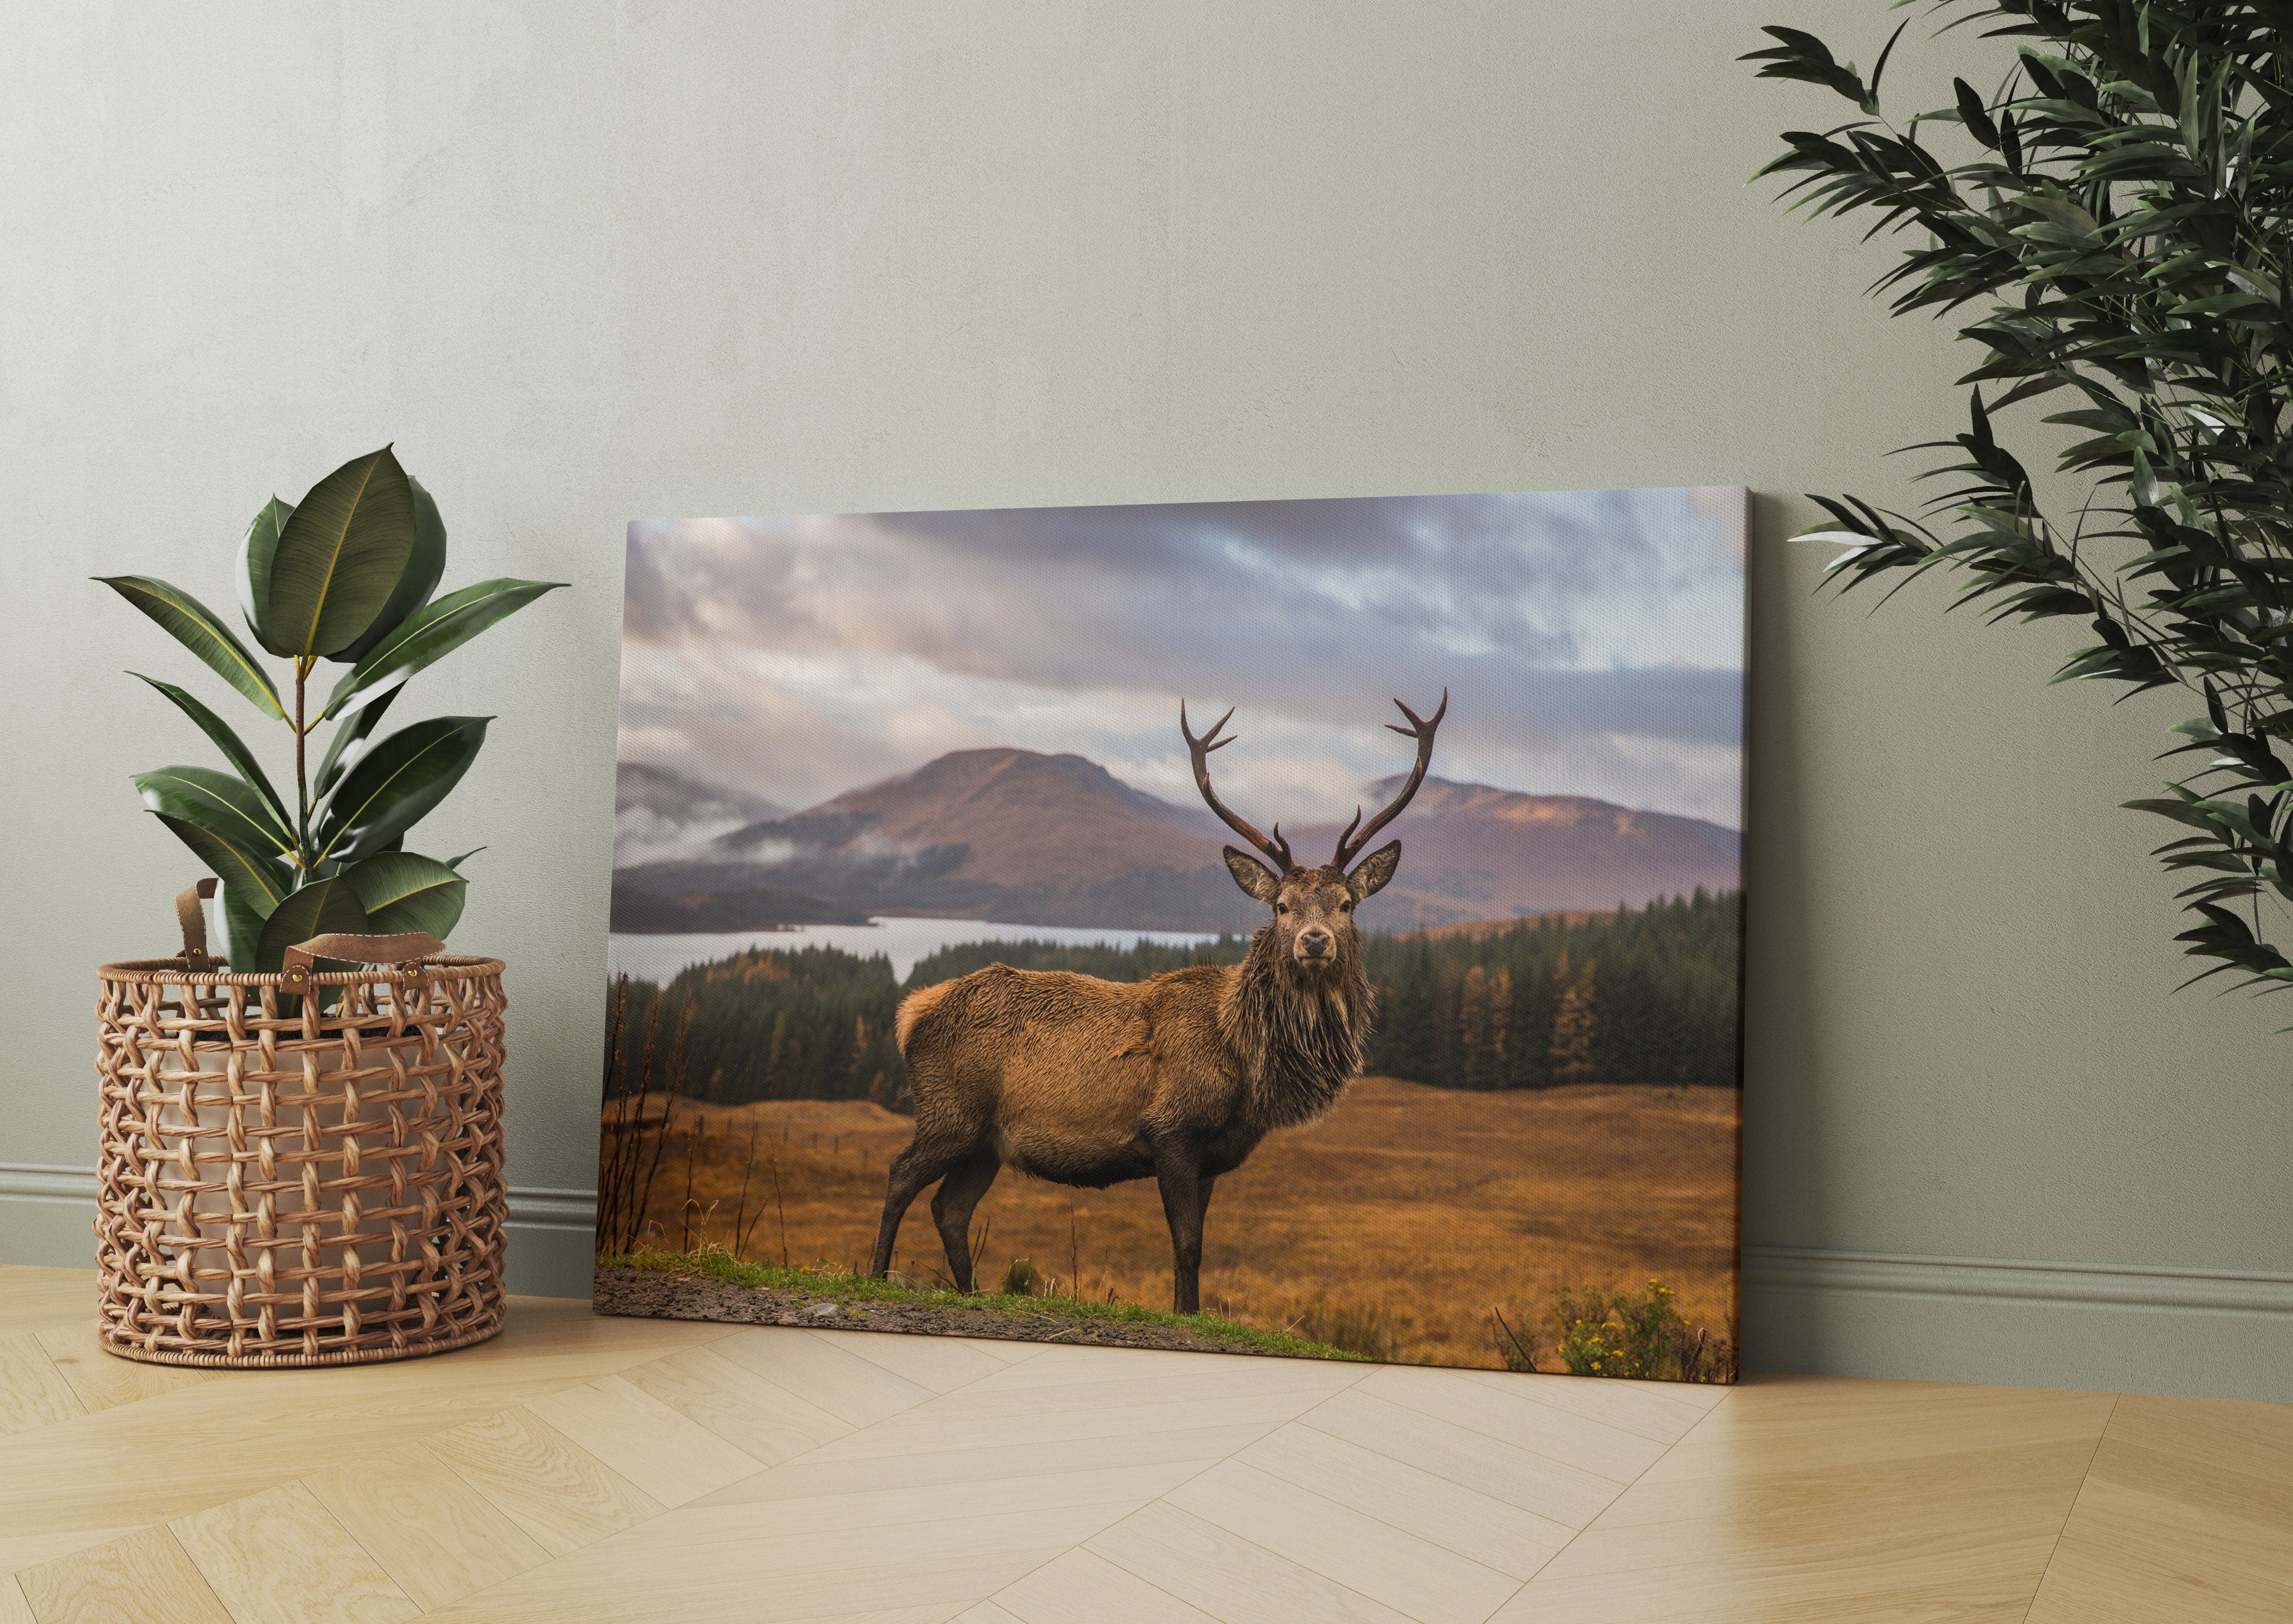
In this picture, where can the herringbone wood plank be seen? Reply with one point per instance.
(280, 1557)
(585, 1468)
(143, 1578)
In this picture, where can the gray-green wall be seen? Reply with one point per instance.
(587, 262)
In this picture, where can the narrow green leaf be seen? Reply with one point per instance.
(349, 743)
(321, 908)
(256, 549)
(216, 800)
(424, 565)
(262, 881)
(429, 635)
(233, 748)
(456, 862)
(397, 783)
(1974, 116)
(340, 555)
(195, 627)
(402, 890)
(2179, 812)
(1870, 103)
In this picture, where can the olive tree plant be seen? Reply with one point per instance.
(347, 575)
(2110, 223)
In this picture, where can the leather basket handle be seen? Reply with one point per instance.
(296, 964)
(193, 920)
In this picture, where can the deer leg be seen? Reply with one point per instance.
(952, 1205)
(913, 1168)
(1185, 1197)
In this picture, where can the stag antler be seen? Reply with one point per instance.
(1276, 850)
(1351, 845)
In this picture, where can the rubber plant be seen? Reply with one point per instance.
(346, 576)
(2110, 223)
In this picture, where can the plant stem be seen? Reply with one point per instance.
(302, 786)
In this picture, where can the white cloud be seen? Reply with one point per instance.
(1591, 643)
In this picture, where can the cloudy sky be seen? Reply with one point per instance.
(1591, 643)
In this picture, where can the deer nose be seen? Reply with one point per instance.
(1315, 943)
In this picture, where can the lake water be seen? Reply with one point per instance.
(903, 941)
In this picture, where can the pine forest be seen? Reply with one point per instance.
(1643, 996)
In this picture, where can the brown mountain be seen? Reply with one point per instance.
(1470, 852)
(1024, 819)
(1030, 839)
(1004, 834)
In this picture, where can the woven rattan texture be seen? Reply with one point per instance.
(284, 1184)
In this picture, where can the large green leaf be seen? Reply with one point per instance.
(261, 879)
(242, 927)
(256, 549)
(395, 783)
(218, 801)
(349, 743)
(428, 635)
(233, 748)
(340, 556)
(195, 625)
(321, 908)
(424, 565)
(401, 891)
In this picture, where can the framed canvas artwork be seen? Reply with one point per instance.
(1306, 928)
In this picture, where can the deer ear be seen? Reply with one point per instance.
(1370, 876)
(1251, 875)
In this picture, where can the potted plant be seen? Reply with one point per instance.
(302, 1141)
(347, 576)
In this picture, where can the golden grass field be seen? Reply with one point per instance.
(1420, 1207)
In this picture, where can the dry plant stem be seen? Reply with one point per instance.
(740, 1216)
(625, 1144)
(673, 1086)
(626, 1214)
(692, 1148)
(1516, 1354)
(634, 1219)
(611, 1151)
(781, 1211)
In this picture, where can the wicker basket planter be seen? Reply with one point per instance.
(288, 1184)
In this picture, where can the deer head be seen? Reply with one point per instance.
(1314, 907)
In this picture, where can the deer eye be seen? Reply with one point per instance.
(1345, 907)
(1281, 907)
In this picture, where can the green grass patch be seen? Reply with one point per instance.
(828, 1285)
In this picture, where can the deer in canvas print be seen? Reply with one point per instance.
(915, 882)
(1089, 1082)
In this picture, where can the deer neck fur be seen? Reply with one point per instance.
(1296, 1037)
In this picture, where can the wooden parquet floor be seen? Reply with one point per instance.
(582, 1468)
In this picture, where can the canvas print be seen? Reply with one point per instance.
(1304, 928)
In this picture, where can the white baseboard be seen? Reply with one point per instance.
(1824, 1270)
(44, 1219)
(2119, 1327)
